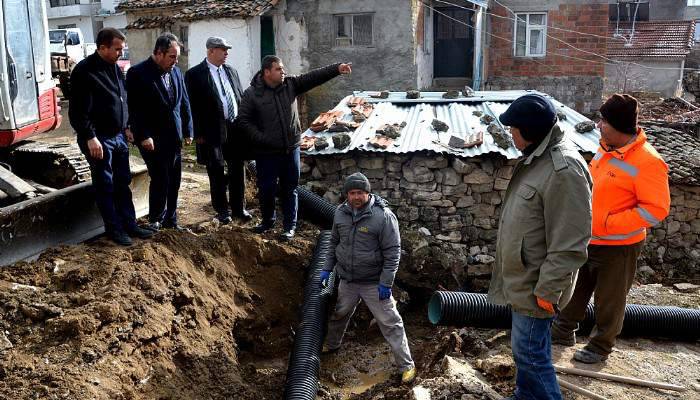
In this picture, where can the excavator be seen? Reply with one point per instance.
(45, 194)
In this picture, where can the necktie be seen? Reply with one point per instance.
(229, 98)
(168, 86)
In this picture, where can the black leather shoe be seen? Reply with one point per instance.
(176, 227)
(154, 226)
(224, 219)
(287, 235)
(120, 238)
(244, 216)
(141, 233)
(262, 228)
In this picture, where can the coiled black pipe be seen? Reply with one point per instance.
(312, 206)
(305, 362)
(472, 309)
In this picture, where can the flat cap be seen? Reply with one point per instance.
(216, 42)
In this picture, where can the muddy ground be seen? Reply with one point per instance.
(211, 314)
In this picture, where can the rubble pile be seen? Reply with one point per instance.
(669, 110)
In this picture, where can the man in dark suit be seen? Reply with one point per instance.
(161, 120)
(215, 93)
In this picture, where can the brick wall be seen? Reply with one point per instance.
(576, 83)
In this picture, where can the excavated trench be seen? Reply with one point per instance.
(212, 315)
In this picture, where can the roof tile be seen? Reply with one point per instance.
(655, 39)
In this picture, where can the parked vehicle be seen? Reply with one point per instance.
(68, 47)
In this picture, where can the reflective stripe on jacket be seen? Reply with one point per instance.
(630, 192)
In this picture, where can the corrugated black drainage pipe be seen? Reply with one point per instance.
(313, 207)
(305, 362)
(472, 309)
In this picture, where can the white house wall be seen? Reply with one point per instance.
(424, 53)
(117, 21)
(290, 40)
(242, 34)
(664, 79)
(86, 25)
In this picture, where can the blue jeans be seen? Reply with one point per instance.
(532, 351)
(111, 177)
(269, 169)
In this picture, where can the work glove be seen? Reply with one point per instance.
(545, 305)
(325, 275)
(384, 292)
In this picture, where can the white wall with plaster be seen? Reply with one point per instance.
(242, 34)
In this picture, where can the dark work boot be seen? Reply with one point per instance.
(120, 238)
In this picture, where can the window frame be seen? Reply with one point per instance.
(528, 28)
(352, 44)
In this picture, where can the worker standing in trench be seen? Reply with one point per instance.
(630, 194)
(544, 229)
(365, 252)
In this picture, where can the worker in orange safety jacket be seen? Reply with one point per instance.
(630, 194)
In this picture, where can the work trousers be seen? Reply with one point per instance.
(384, 311)
(608, 276)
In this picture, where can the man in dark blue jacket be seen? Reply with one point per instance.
(161, 120)
(98, 113)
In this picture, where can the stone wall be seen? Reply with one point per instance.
(449, 210)
(673, 249)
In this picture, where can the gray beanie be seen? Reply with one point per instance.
(356, 181)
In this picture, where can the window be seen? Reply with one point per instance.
(61, 3)
(637, 10)
(184, 40)
(530, 35)
(693, 3)
(353, 30)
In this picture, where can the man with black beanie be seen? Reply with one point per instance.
(630, 194)
(544, 229)
(365, 253)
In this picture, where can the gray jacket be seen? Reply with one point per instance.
(544, 229)
(367, 245)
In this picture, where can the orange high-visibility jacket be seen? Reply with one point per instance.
(630, 192)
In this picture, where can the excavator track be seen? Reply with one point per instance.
(56, 165)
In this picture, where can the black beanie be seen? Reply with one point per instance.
(532, 114)
(620, 111)
(356, 181)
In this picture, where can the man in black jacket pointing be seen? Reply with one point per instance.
(270, 118)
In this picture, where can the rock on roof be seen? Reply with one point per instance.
(190, 10)
(651, 39)
(680, 150)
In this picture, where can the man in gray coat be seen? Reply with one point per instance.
(367, 247)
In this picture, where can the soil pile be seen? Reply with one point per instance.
(669, 110)
(180, 316)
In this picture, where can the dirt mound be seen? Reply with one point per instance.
(181, 316)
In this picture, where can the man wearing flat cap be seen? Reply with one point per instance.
(365, 253)
(544, 229)
(630, 194)
(215, 94)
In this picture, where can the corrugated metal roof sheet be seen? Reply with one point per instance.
(418, 134)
